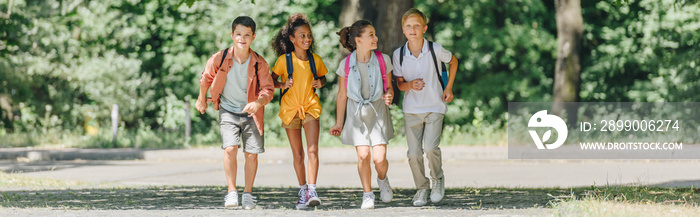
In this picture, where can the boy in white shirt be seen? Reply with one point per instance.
(417, 69)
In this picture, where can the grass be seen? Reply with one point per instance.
(632, 201)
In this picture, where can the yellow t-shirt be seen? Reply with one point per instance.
(301, 97)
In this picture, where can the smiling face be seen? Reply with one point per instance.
(242, 37)
(414, 28)
(367, 40)
(301, 38)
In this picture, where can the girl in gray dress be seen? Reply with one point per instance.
(364, 94)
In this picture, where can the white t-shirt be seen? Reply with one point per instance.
(430, 98)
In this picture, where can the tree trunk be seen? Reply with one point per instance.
(385, 17)
(567, 74)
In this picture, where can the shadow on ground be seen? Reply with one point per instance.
(186, 197)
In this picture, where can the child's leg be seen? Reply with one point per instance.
(251, 168)
(380, 162)
(363, 167)
(414, 138)
(311, 130)
(230, 166)
(433, 130)
(294, 136)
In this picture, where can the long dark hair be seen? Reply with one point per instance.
(348, 34)
(281, 44)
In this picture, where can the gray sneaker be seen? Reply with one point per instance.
(385, 192)
(301, 203)
(248, 201)
(438, 190)
(421, 197)
(231, 199)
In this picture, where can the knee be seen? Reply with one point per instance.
(312, 152)
(380, 161)
(414, 154)
(299, 157)
(363, 157)
(231, 151)
(432, 150)
(251, 158)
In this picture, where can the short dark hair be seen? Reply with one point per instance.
(245, 21)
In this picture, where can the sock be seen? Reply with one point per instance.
(303, 186)
(369, 193)
(247, 193)
(381, 179)
(312, 187)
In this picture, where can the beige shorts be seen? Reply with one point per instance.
(297, 122)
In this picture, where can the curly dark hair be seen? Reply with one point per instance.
(348, 34)
(281, 43)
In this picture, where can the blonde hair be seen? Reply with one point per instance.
(414, 12)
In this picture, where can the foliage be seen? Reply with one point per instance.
(65, 63)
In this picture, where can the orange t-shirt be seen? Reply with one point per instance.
(301, 97)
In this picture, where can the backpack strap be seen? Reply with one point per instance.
(312, 63)
(290, 71)
(347, 68)
(437, 70)
(223, 57)
(382, 67)
(256, 69)
(402, 52)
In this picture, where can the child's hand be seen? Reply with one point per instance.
(336, 129)
(417, 84)
(317, 84)
(201, 105)
(447, 95)
(251, 108)
(288, 84)
(388, 97)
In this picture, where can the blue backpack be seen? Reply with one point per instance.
(290, 69)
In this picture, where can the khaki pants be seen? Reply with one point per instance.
(423, 136)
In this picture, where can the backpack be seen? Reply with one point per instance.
(382, 67)
(442, 75)
(290, 69)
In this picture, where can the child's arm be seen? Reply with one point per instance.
(415, 84)
(447, 95)
(266, 91)
(389, 95)
(319, 83)
(279, 84)
(205, 82)
(340, 105)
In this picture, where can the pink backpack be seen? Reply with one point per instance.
(382, 67)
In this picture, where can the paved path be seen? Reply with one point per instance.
(464, 167)
(470, 167)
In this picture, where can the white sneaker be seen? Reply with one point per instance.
(421, 197)
(313, 199)
(368, 201)
(231, 199)
(301, 204)
(438, 190)
(248, 201)
(385, 192)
